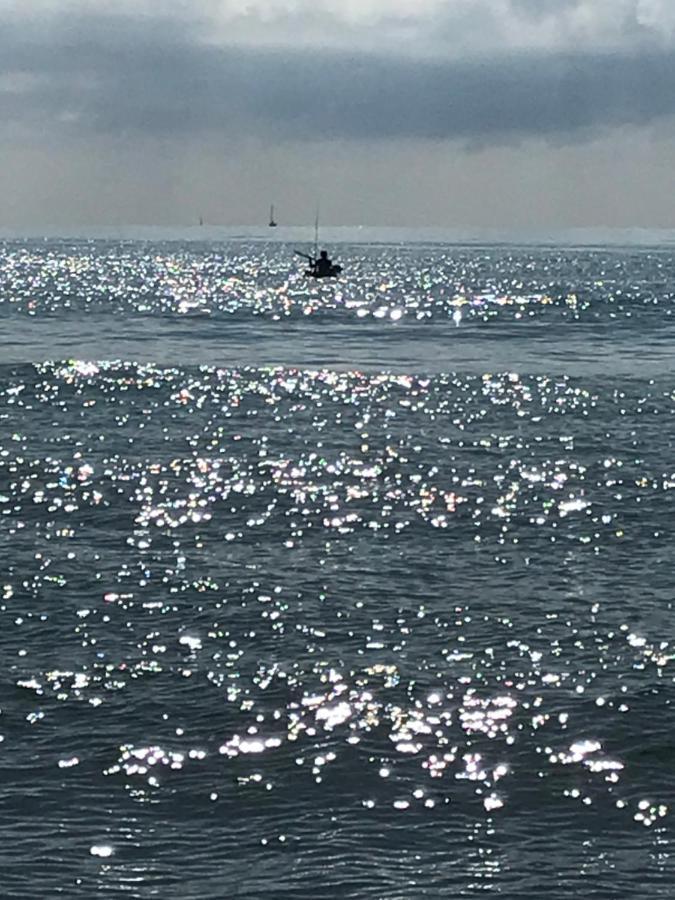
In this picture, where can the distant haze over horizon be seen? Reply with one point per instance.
(456, 113)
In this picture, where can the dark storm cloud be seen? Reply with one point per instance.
(115, 77)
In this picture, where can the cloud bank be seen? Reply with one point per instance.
(92, 73)
(392, 111)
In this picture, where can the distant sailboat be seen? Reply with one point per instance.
(273, 224)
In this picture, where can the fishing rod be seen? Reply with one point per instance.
(312, 259)
(316, 232)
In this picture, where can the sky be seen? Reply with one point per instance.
(476, 113)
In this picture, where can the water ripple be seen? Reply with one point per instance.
(347, 633)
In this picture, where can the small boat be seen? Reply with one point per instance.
(333, 272)
(273, 224)
(316, 270)
(320, 266)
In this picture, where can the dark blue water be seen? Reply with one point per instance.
(360, 589)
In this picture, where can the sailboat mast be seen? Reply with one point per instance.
(316, 233)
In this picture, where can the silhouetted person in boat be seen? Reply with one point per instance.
(323, 266)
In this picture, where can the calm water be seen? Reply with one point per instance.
(361, 589)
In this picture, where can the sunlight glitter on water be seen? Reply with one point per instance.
(389, 485)
(378, 599)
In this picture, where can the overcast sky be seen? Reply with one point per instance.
(404, 112)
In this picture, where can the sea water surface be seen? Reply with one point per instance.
(360, 589)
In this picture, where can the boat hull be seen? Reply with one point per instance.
(334, 272)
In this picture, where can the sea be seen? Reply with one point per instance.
(360, 588)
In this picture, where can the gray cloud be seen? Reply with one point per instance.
(539, 8)
(115, 76)
(139, 118)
